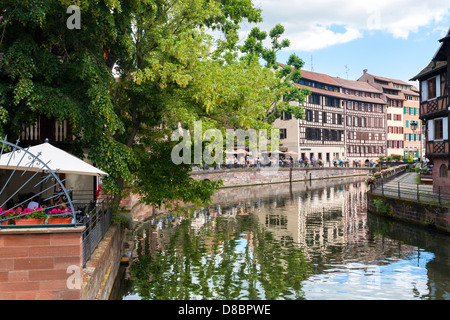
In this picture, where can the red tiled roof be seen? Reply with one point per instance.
(319, 77)
(321, 91)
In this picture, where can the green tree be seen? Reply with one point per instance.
(125, 80)
(289, 98)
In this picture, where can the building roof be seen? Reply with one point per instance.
(321, 91)
(319, 77)
(429, 69)
(356, 85)
(364, 99)
(391, 80)
(411, 93)
(394, 97)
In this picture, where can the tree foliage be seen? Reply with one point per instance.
(134, 72)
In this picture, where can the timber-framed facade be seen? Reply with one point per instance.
(322, 131)
(365, 118)
(435, 113)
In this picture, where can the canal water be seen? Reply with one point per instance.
(309, 240)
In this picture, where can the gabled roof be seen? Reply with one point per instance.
(432, 67)
(356, 85)
(438, 62)
(397, 81)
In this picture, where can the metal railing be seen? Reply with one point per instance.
(96, 216)
(409, 191)
(281, 164)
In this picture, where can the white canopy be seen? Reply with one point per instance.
(53, 157)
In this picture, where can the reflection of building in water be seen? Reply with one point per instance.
(316, 220)
(328, 224)
(313, 220)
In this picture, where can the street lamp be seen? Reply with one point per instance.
(413, 125)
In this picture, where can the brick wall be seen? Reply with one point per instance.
(34, 263)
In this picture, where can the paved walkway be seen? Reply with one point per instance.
(408, 189)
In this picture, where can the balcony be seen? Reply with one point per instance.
(58, 133)
(433, 107)
(436, 149)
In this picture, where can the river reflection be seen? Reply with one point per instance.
(310, 240)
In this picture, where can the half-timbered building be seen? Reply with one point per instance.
(321, 132)
(435, 113)
(365, 124)
(394, 93)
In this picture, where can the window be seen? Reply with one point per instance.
(324, 117)
(309, 115)
(431, 88)
(314, 98)
(438, 129)
(286, 116)
(283, 133)
(443, 172)
(339, 119)
(326, 135)
(317, 135)
(316, 116)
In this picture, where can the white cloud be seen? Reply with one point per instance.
(316, 24)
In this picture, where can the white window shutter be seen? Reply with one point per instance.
(445, 128)
(424, 91)
(438, 86)
(430, 130)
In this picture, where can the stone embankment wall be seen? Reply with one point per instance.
(102, 267)
(424, 214)
(243, 183)
(248, 177)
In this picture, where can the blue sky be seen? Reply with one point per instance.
(391, 38)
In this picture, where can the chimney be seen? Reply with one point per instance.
(365, 71)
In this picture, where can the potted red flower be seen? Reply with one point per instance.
(6, 216)
(30, 217)
(58, 216)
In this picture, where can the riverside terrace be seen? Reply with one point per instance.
(248, 163)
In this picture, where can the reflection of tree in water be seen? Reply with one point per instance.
(226, 258)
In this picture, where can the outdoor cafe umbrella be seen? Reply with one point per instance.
(55, 158)
(291, 153)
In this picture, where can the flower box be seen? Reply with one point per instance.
(59, 220)
(29, 221)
